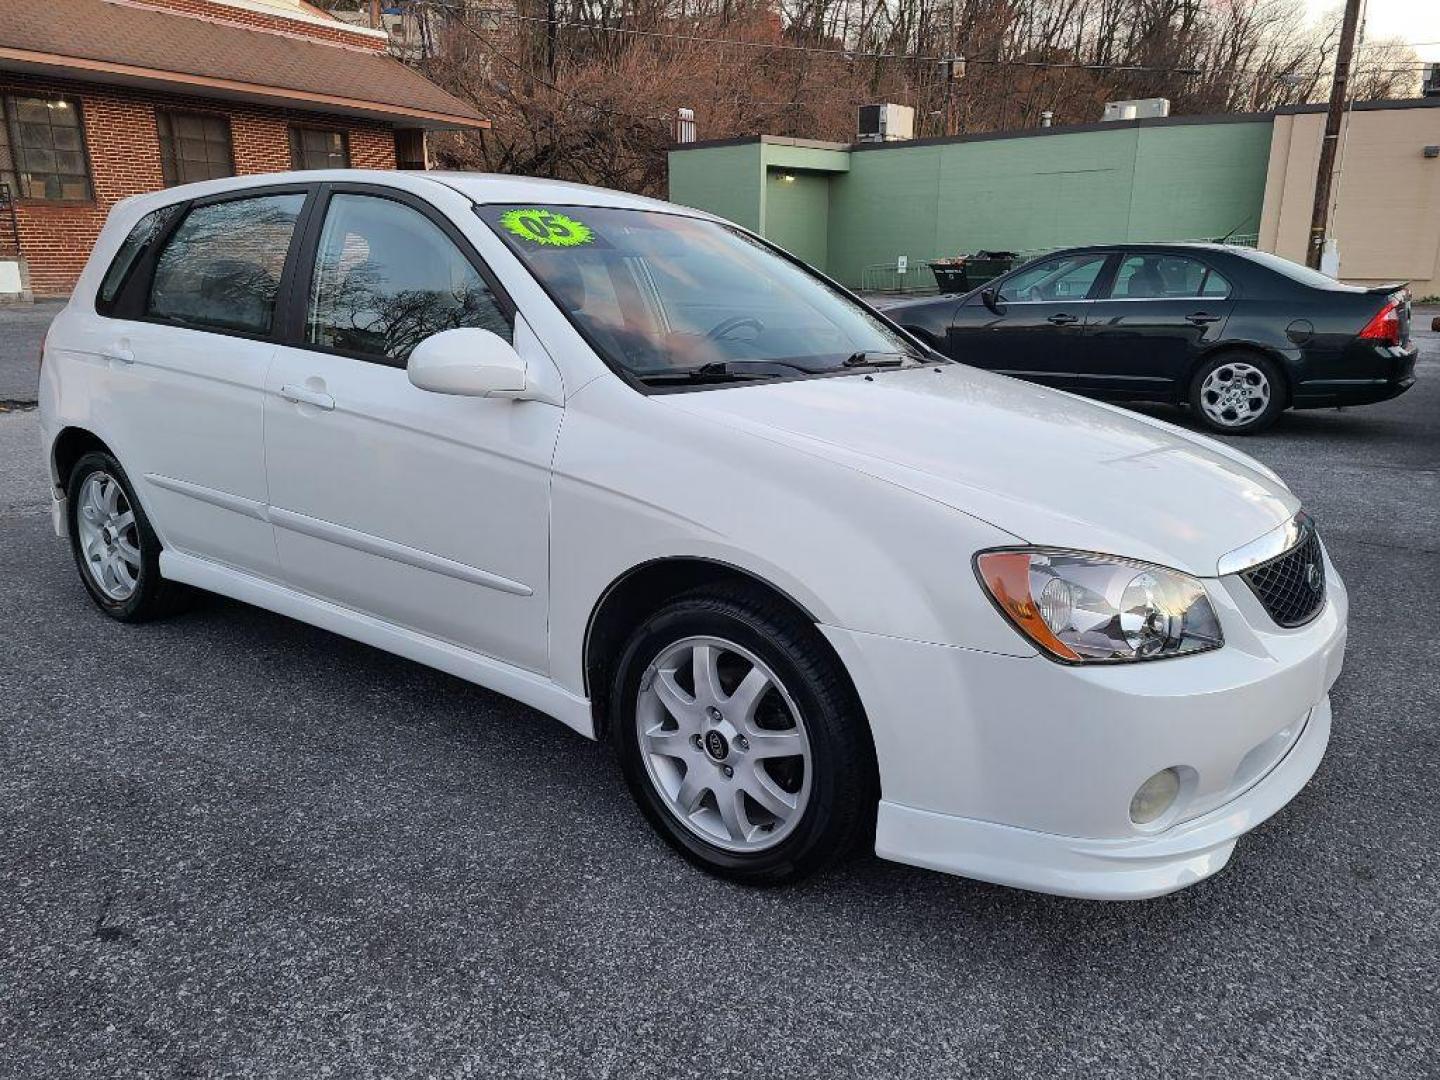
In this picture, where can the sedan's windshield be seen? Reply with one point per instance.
(674, 299)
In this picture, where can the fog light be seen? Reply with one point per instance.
(1155, 796)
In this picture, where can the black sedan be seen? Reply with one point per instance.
(1239, 335)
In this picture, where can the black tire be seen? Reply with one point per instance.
(1278, 389)
(153, 596)
(839, 816)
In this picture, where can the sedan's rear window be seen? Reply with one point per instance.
(1294, 271)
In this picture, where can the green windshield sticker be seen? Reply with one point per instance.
(546, 227)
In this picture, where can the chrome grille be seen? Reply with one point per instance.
(1292, 586)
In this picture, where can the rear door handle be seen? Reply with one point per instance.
(119, 354)
(1202, 318)
(1063, 319)
(303, 395)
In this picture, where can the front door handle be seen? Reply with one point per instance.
(1063, 319)
(119, 354)
(303, 395)
(1202, 318)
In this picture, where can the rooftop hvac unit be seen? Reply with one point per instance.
(886, 123)
(1137, 109)
(1431, 86)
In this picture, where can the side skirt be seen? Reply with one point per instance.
(524, 686)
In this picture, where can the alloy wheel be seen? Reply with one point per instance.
(1235, 394)
(723, 744)
(109, 536)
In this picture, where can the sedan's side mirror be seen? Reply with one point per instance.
(991, 299)
(470, 362)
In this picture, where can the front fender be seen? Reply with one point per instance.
(636, 481)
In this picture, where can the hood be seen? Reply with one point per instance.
(1047, 467)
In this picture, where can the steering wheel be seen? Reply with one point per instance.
(722, 330)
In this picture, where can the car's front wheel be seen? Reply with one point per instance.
(741, 738)
(1238, 393)
(116, 550)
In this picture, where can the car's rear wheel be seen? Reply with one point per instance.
(1238, 393)
(741, 738)
(116, 550)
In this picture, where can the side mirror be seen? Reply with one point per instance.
(991, 299)
(469, 362)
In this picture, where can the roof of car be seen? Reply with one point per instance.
(477, 186)
(504, 188)
(1181, 245)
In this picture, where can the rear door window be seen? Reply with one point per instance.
(221, 269)
(1161, 277)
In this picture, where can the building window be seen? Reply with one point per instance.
(47, 149)
(317, 148)
(194, 146)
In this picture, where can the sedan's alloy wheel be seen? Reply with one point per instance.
(109, 536)
(1235, 394)
(723, 744)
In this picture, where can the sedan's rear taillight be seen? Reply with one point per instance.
(1384, 328)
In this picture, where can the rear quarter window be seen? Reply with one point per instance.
(146, 231)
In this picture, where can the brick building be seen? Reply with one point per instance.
(100, 99)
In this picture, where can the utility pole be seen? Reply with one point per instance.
(1339, 90)
(375, 21)
(550, 31)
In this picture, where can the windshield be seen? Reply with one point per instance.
(669, 298)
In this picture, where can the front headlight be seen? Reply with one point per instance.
(1083, 608)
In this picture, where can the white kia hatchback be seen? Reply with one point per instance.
(636, 468)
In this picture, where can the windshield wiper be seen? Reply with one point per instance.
(724, 371)
(877, 359)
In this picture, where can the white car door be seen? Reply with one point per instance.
(186, 344)
(426, 510)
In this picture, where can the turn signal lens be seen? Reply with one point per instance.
(1084, 608)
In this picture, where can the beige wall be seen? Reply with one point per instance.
(1387, 216)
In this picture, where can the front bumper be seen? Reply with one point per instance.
(1131, 869)
(1020, 771)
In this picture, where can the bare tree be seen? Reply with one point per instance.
(590, 96)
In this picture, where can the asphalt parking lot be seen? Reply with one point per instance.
(233, 845)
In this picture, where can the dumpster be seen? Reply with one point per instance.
(962, 273)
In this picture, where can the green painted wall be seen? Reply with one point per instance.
(797, 214)
(724, 180)
(1135, 182)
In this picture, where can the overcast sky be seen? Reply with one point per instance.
(1410, 20)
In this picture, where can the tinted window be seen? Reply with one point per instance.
(135, 245)
(1068, 277)
(48, 146)
(221, 269)
(194, 146)
(661, 295)
(316, 148)
(1294, 271)
(1156, 277)
(386, 278)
